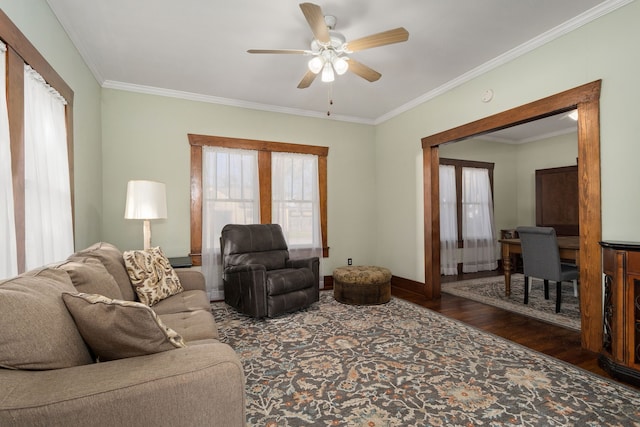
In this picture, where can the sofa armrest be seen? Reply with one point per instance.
(196, 386)
(191, 280)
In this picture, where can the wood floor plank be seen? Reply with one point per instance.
(555, 341)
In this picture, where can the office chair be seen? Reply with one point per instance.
(541, 259)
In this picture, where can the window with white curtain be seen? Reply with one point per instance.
(467, 230)
(8, 250)
(230, 195)
(448, 221)
(295, 202)
(36, 156)
(478, 230)
(48, 211)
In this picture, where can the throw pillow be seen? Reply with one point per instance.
(117, 329)
(38, 332)
(91, 277)
(151, 274)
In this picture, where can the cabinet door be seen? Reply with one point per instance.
(632, 321)
(614, 283)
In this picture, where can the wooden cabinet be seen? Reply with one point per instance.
(620, 354)
(557, 200)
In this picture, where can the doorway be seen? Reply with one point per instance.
(586, 99)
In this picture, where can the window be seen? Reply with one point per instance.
(298, 208)
(229, 195)
(468, 185)
(295, 202)
(21, 52)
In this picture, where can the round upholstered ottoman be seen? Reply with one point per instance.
(362, 285)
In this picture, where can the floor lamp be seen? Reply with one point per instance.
(146, 200)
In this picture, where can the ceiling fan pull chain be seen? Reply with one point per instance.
(330, 98)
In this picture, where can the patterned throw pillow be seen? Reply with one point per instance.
(151, 274)
(117, 329)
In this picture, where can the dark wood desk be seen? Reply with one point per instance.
(569, 249)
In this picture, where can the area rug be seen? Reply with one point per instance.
(490, 290)
(399, 364)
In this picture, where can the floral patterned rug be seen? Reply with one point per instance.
(399, 364)
(490, 290)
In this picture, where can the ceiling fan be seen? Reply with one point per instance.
(331, 51)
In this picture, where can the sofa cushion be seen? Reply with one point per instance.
(151, 274)
(183, 301)
(37, 330)
(117, 329)
(111, 258)
(192, 325)
(91, 277)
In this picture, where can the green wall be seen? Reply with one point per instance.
(40, 26)
(375, 172)
(603, 49)
(145, 137)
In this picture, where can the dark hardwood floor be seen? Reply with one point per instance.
(555, 341)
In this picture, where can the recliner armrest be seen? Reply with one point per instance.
(244, 288)
(312, 263)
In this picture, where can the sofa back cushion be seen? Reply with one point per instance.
(88, 275)
(37, 330)
(262, 244)
(111, 258)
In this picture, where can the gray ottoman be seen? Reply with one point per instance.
(362, 285)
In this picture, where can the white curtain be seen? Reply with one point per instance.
(8, 251)
(296, 202)
(478, 233)
(448, 221)
(48, 217)
(230, 195)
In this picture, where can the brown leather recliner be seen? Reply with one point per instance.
(259, 278)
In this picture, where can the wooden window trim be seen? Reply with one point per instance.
(21, 51)
(264, 148)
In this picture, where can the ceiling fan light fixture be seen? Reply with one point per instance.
(315, 64)
(340, 64)
(327, 73)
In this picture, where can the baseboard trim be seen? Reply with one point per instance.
(407, 285)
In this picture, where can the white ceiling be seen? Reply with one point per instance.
(196, 49)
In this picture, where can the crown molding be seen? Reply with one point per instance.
(151, 90)
(544, 38)
(568, 26)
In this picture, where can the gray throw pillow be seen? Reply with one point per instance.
(117, 329)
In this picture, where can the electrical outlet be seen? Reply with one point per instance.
(349, 261)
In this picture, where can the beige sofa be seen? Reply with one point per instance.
(49, 376)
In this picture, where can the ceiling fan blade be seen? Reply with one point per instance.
(307, 80)
(363, 71)
(315, 18)
(396, 35)
(286, 51)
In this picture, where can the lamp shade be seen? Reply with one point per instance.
(146, 200)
